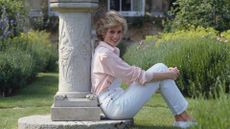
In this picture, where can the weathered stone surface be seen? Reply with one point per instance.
(76, 102)
(74, 5)
(75, 113)
(73, 1)
(44, 122)
(75, 52)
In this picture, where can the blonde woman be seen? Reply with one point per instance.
(108, 70)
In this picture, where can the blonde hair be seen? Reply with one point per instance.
(110, 19)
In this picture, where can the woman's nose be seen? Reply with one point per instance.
(116, 35)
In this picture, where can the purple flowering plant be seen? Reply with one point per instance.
(11, 24)
(4, 24)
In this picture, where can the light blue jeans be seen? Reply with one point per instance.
(117, 103)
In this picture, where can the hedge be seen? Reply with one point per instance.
(23, 57)
(202, 56)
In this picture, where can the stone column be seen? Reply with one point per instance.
(70, 102)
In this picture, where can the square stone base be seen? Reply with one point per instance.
(75, 113)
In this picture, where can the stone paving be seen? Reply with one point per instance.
(45, 122)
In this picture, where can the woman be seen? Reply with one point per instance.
(108, 70)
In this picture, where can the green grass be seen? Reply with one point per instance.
(37, 98)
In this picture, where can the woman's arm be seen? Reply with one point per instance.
(113, 65)
(173, 74)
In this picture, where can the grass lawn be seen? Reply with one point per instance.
(37, 98)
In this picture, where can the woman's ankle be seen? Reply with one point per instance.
(184, 116)
(178, 118)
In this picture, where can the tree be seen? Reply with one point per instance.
(206, 13)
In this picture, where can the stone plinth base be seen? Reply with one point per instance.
(45, 122)
(75, 113)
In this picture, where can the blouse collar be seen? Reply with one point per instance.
(104, 44)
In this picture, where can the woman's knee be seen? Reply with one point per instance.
(159, 67)
(162, 66)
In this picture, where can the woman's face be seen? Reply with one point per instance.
(113, 35)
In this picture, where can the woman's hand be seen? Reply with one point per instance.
(173, 73)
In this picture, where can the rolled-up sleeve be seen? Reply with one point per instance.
(115, 66)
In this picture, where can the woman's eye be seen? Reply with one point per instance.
(112, 32)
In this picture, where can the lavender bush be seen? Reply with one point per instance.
(12, 17)
(22, 55)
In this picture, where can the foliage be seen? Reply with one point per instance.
(46, 21)
(16, 68)
(138, 22)
(12, 19)
(23, 57)
(206, 13)
(225, 36)
(49, 23)
(122, 48)
(42, 50)
(202, 57)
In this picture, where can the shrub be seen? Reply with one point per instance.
(48, 22)
(12, 17)
(207, 13)
(23, 57)
(41, 49)
(225, 36)
(44, 52)
(16, 68)
(202, 59)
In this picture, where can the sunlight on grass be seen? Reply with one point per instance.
(212, 113)
(39, 93)
(9, 117)
(37, 98)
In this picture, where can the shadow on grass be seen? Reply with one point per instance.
(39, 93)
(44, 84)
(153, 127)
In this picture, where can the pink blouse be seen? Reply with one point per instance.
(107, 65)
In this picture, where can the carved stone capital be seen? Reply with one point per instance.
(74, 5)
